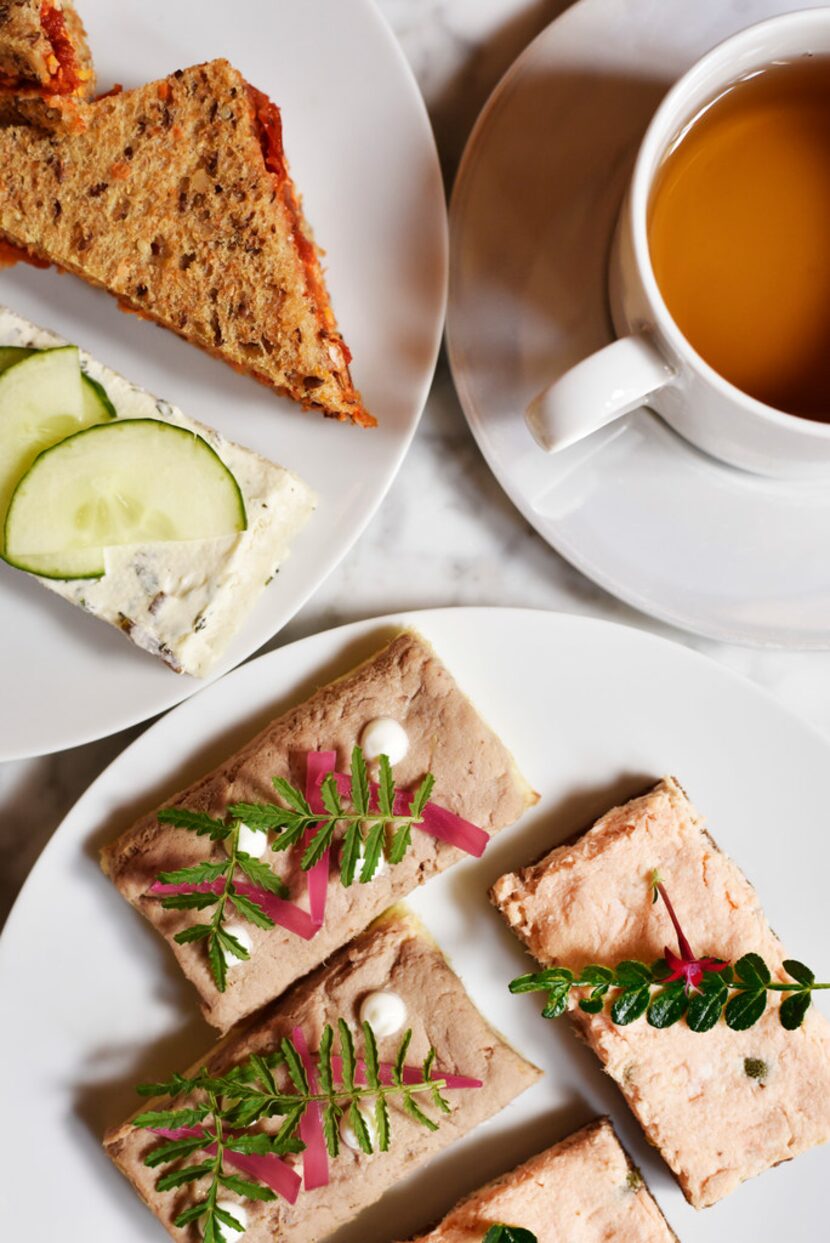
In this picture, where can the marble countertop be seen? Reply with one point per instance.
(486, 554)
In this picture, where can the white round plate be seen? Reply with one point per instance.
(635, 507)
(93, 1004)
(374, 195)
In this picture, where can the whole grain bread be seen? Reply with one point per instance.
(176, 198)
(46, 70)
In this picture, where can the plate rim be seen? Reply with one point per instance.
(118, 720)
(552, 536)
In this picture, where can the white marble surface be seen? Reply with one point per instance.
(469, 546)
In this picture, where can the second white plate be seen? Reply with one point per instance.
(93, 1003)
(373, 194)
(636, 508)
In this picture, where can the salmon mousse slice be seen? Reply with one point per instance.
(400, 1065)
(721, 1087)
(255, 874)
(584, 1189)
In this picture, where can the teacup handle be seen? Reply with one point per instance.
(598, 390)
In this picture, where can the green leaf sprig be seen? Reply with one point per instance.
(677, 986)
(370, 832)
(223, 895)
(741, 992)
(225, 1110)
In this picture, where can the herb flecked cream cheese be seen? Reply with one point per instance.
(184, 600)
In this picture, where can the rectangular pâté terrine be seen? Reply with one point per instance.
(183, 601)
(475, 778)
(394, 956)
(720, 1106)
(583, 1190)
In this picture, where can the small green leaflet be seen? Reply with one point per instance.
(509, 1234)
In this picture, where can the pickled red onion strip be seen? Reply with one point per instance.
(437, 821)
(287, 914)
(268, 1169)
(315, 1156)
(318, 765)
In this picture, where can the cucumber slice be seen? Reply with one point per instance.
(134, 481)
(11, 354)
(41, 402)
(97, 406)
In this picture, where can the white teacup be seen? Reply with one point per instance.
(652, 363)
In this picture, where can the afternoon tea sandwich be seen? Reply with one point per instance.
(655, 942)
(353, 1080)
(122, 505)
(46, 69)
(176, 197)
(340, 807)
(582, 1190)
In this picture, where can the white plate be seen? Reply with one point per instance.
(93, 1004)
(636, 508)
(374, 196)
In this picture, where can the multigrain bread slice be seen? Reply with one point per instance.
(720, 1107)
(584, 1189)
(176, 197)
(395, 955)
(46, 70)
(475, 777)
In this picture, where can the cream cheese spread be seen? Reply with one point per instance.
(184, 601)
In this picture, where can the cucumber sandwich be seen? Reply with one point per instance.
(125, 507)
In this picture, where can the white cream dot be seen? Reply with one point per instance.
(384, 1012)
(252, 842)
(243, 936)
(236, 1210)
(384, 736)
(347, 1133)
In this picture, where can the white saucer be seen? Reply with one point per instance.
(636, 508)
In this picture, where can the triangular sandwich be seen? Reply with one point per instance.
(176, 198)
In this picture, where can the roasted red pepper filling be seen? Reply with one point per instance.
(269, 123)
(65, 79)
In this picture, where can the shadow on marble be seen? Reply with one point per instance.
(454, 109)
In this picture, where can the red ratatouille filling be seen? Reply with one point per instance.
(65, 78)
(269, 123)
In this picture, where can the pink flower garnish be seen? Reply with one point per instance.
(685, 966)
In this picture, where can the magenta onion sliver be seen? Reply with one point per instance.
(315, 1156)
(318, 765)
(268, 1169)
(436, 821)
(287, 914)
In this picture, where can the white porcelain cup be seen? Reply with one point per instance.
(652, 363)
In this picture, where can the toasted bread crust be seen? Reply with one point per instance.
(166, 200)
